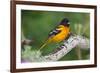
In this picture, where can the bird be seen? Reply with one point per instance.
(59, 33)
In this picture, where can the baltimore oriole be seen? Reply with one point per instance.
(60, 33)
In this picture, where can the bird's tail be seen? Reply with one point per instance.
(44, 44)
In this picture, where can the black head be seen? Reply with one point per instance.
(65, 22)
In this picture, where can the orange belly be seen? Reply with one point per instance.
(61, 36)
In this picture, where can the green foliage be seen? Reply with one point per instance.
(36, 25)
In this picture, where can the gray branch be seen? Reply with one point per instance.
(73, 41)
(68, 45)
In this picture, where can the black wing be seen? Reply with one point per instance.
(54, 32)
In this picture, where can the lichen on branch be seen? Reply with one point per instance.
(69, 44)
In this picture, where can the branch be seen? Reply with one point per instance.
(25, 41)
(73, 41)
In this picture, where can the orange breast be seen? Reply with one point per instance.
(61, 36)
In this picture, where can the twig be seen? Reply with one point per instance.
(25, 41)
(78, 52)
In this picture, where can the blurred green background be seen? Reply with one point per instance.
(36, 25)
